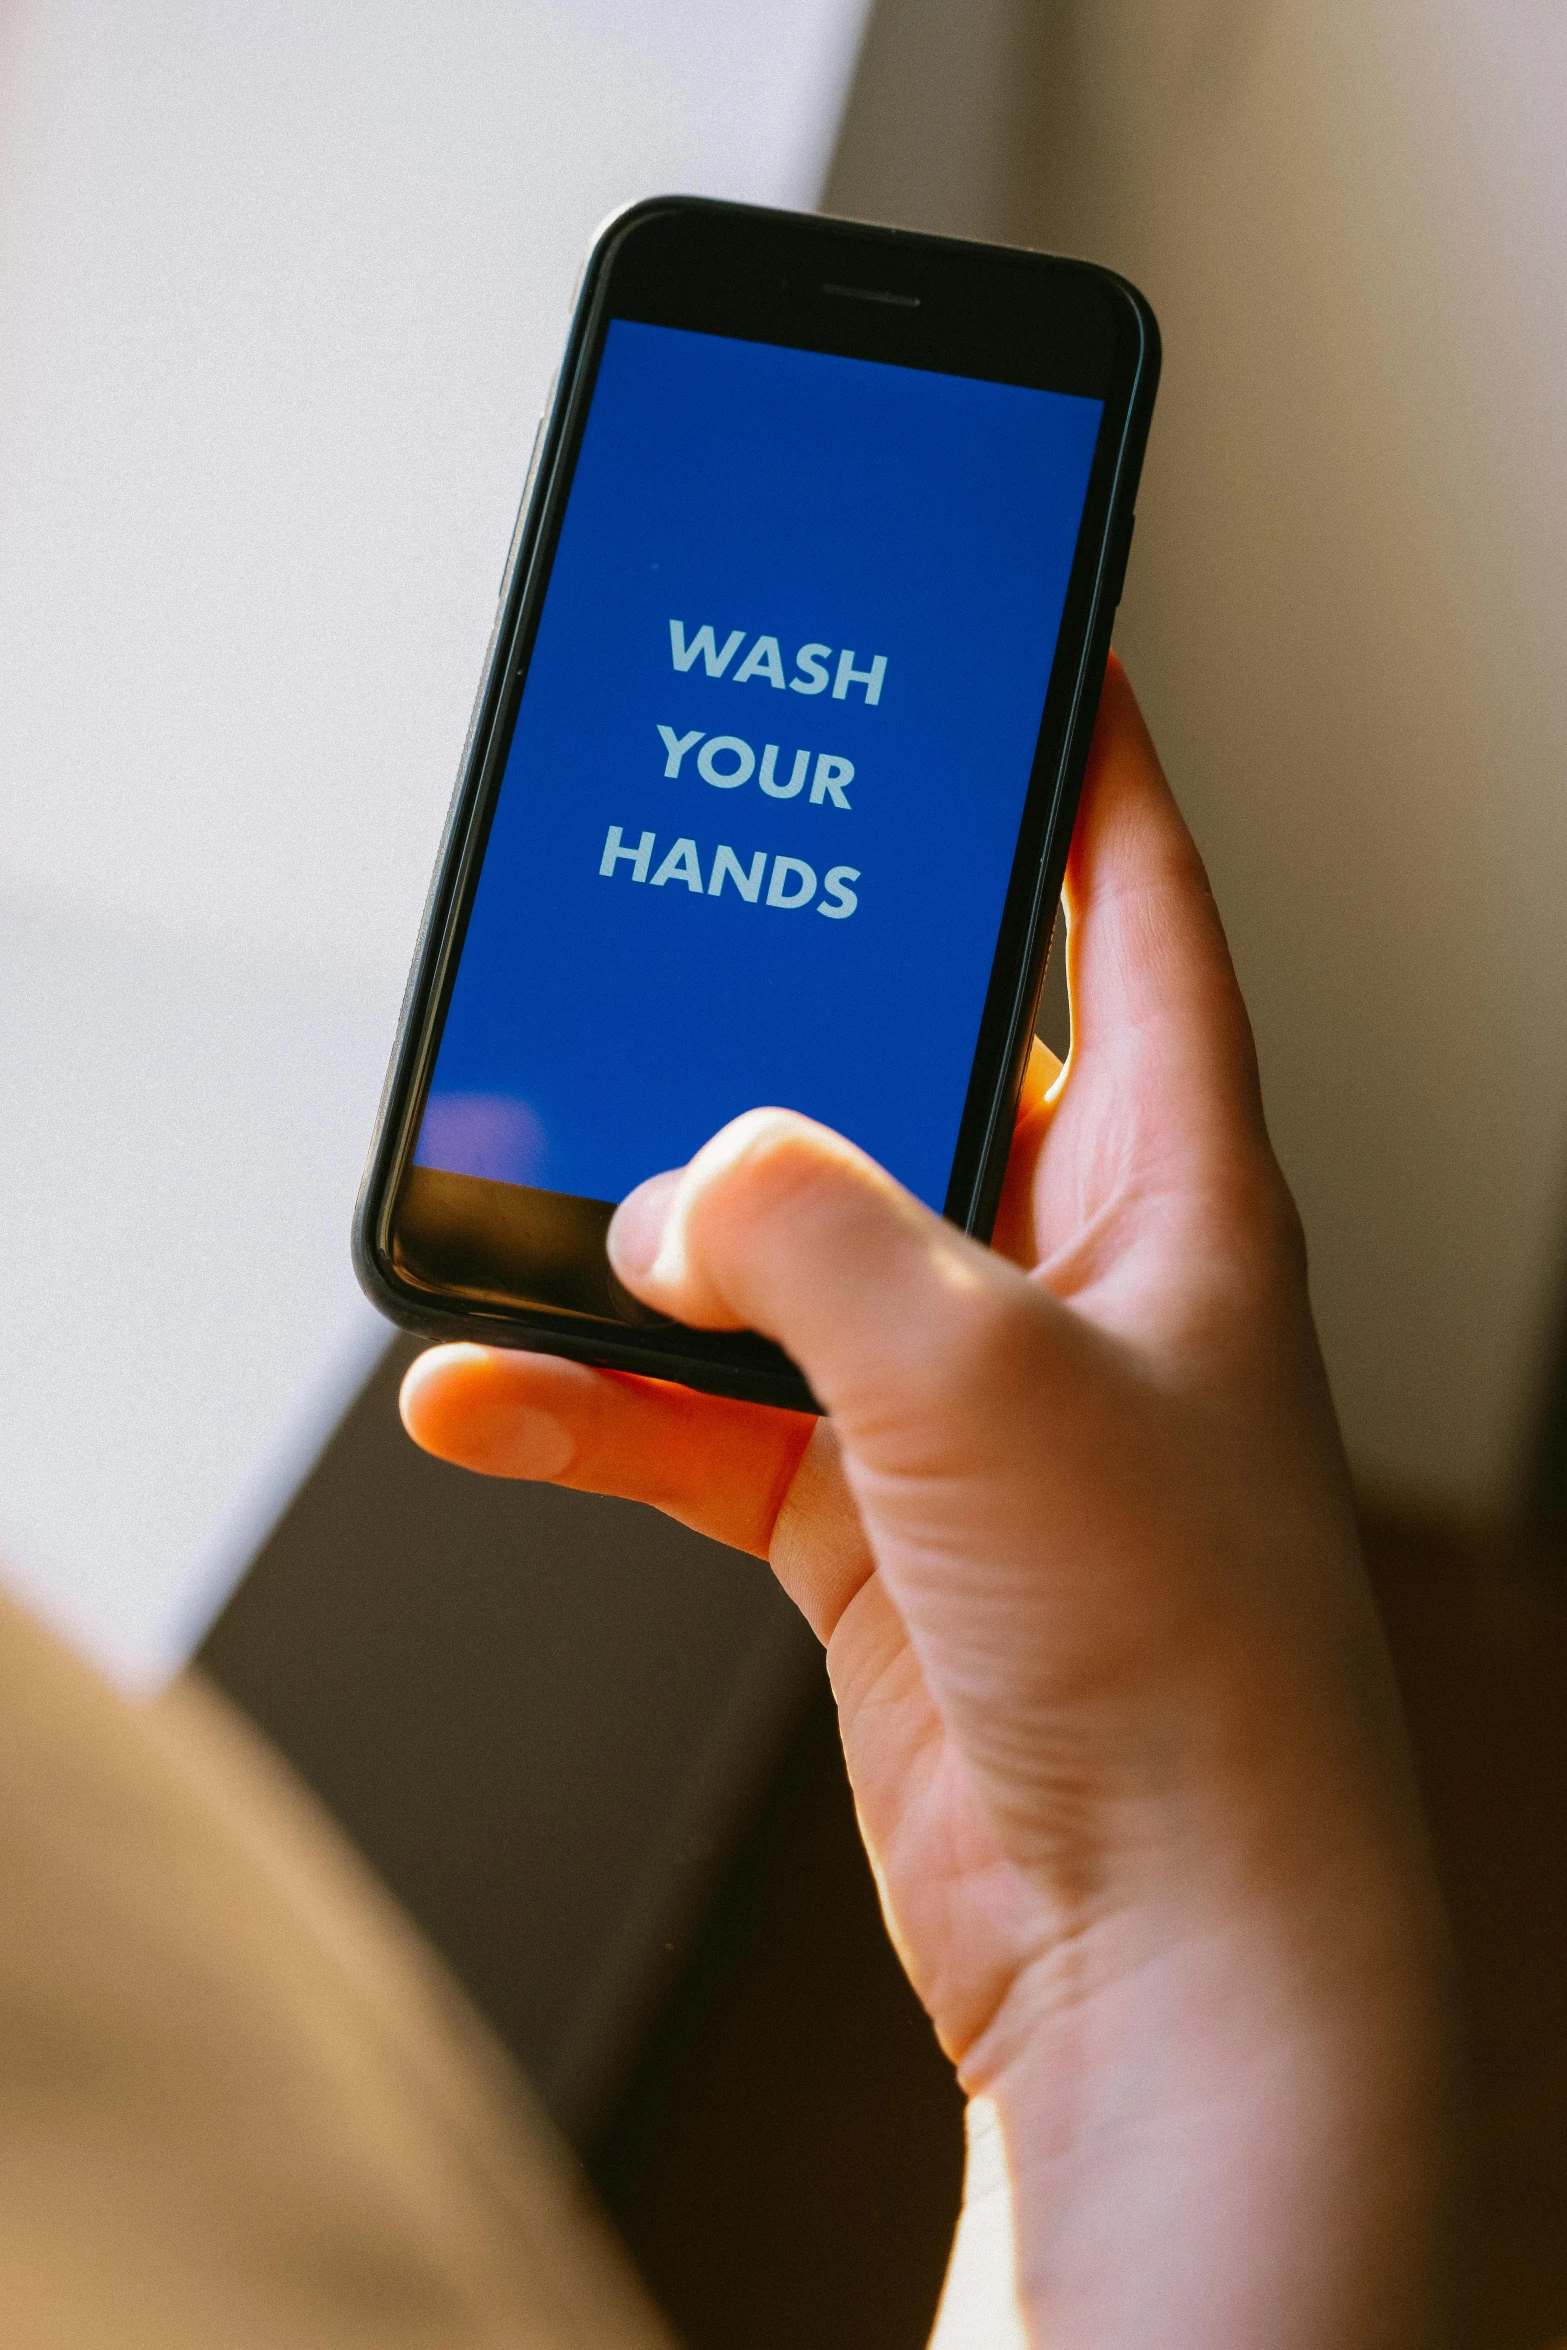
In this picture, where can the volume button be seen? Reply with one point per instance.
(522, 509)
(1126, 549)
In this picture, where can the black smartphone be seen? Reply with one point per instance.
(770, 782)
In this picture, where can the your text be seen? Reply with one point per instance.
(726, 762)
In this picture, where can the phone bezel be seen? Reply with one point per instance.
(813, 283)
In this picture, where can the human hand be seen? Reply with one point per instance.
(1078, 1538)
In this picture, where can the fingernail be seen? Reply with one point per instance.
(534, 1445)
(461, 1403)
(638, 1226)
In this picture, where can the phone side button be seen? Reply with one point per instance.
(522, 511)
(1121, 560)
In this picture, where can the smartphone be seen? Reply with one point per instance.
(771, 778)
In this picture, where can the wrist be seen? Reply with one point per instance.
(1243, 2132)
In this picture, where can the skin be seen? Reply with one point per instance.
(1078, 1537)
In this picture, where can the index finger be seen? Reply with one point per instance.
(720, 1467)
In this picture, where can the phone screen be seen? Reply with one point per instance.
(762, 799)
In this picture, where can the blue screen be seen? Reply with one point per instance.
(762, 799)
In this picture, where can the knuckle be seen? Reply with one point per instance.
(1270, 1222)
(1253, 1282)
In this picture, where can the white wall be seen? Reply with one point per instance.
(283, 287)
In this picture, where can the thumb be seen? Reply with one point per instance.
(782, 1226)
(1026, 1478)
(944, 1368)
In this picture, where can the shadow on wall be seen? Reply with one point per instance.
(941, 131)
(1345, 600)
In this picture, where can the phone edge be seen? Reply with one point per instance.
(985, 1195)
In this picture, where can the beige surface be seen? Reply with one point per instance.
(1345, 613)
(1346, 601)
(238, 2102)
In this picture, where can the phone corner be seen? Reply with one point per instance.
(372, 1270)
(1152, 362)
(626, 219)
